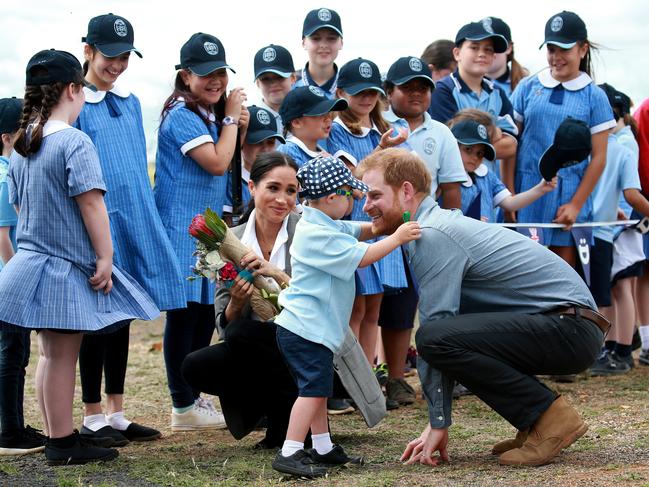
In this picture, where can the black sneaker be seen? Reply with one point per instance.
(339, 406)
(336, 456)
(102, 436)
(79, 452)
(22, 442)
(607, 365)
(300, 464)
(644, 357)
(391, 404)
(626, 360)
(137, 432)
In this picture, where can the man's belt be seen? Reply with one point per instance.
(587, 313)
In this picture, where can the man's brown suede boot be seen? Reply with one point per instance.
(557, 428)
(506, 445)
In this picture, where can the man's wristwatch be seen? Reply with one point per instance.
(228, 121)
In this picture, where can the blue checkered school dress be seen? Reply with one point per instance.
(487, 186)
(45, 285)
(541, 109)
(183, 189)
(298, 151)
(388, 272)
(141, 246)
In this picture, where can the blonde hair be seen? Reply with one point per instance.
(398, 166)
(353, 123)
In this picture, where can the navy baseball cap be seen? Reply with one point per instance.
(274, 59)
(477, 31)
(359, 75)
(262, 126)
(499, 26)
(321, 18)
(202, 54)
(11, 110)
(572, 144)
(564, 29)
(111, 34)
(407, 68)
(308, 101)
(470, 132)
(323, 175)
(617, 99)
(52, 66)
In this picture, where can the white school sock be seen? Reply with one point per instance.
(94, 422)
(644, 336)
(118, 421)
(322, 443)
(290, 447)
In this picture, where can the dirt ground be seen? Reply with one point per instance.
(614, 451)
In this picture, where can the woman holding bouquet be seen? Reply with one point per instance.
(246, 370)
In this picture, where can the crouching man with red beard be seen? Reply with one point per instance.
(495, 308)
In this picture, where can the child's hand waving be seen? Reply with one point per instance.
(407, 231)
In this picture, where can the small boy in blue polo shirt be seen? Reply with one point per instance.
(318, 303)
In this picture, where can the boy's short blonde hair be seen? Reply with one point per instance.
(398, 166)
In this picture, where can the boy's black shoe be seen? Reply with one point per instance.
(23, 442)
(137, 432)
(74, 450)
(299, 464)
(336, 456)
(99, 437)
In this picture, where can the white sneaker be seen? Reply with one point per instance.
(207, 403)
(197, 418)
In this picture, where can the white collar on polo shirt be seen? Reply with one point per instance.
(575, 84)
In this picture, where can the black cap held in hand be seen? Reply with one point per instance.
(572, 145)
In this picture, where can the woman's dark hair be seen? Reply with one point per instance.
(440, 54)
(181, 90)
(37, 107)
(264, 163)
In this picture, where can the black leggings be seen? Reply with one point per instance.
(103, 352)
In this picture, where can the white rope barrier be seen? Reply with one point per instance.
(575, 225)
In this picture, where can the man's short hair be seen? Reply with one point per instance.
(398, 166)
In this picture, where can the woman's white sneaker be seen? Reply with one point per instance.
(199, 417)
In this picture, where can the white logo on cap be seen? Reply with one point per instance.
(482, 131)
(263, 117)
(556, 24)
(316, 91)
(269, 54)
(429, 145)
(324, 15)
(211, 48)
(120, 28)
(415, 64)
(486, 23)
(365, 70)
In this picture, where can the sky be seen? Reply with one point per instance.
(378, 30)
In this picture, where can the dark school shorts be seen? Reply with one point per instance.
(311, 364)
(601, 261)
(634, 270)
(398, 310)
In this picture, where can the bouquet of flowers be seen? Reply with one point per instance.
(218, 251)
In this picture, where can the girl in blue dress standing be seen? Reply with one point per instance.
(541, 102)
(62, 281)
(196, 141)
(112, 118)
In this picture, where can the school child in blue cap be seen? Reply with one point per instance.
(15, 437)
(306, 114)
(505, 71)
(62, 281)
(196, 142)
(317, 305)
(112, 118)
(541, 103)
(322, 39)
(274, 76)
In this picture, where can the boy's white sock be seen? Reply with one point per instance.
(644, 336)
(118, 421)
(290, 447)
(322, 443)
(94, 422)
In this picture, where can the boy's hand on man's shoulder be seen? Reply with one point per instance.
(407, 232)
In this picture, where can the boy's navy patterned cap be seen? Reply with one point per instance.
(617, 99)
(321, 18)
(499, 26)
(572, 144)
(52, 66)
(407, 68)
(323, 175)
(470, 132)
(477, 31)
(359, 75)
(564, 29)
(10, 111)
(274, 59)
(202, 54)
(111, 34)
(308, 101)
(262, 126)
